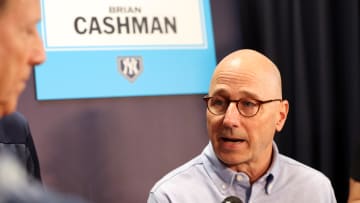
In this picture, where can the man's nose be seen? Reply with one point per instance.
(232, 116)
(38, 55)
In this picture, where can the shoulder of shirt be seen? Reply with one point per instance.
(307, 180)
(178, 172)
(304, 169)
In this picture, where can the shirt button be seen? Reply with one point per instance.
(223, 186)
(270, 187)
(239, 178)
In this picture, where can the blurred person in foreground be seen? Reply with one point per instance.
(20, 50)
(245, 109)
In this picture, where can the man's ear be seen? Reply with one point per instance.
(284, 109)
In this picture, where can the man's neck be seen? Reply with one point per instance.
(256, 168)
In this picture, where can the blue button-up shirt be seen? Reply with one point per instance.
(206, 179)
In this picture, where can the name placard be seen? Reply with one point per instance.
(116, 48)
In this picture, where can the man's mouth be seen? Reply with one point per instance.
(226, 139)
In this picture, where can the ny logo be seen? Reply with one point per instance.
(130, 67)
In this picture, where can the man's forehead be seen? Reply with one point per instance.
(246, 84)
(238, 93)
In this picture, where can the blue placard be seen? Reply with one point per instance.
(99, 49)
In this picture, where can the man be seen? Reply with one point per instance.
(244, 110)
(20, 50)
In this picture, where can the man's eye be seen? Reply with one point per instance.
(248, 104)
(30, 31)
(218, 102)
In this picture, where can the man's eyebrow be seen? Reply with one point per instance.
(249, 94)
(243, 93)
(220, 91)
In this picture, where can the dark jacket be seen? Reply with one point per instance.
(15, 136)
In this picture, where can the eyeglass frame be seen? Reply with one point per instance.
(207, 98)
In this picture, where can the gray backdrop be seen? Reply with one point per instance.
(113, 150)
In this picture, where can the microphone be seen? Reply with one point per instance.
(232, 199)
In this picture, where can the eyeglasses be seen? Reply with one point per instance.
(247, 107)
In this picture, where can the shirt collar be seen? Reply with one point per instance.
(224, 177)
